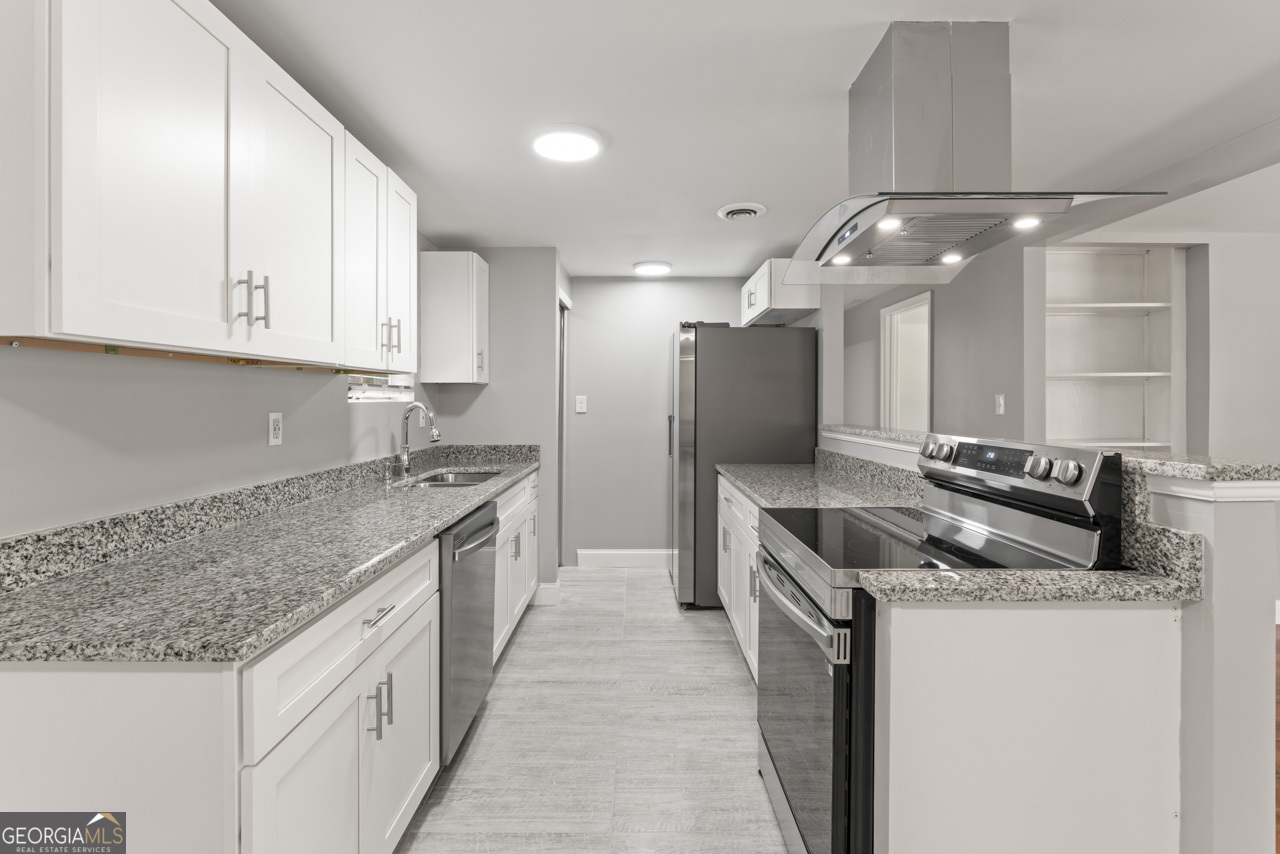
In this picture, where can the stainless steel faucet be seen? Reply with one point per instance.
(404, 432)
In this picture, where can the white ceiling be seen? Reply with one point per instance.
(1247, 204)
(707, 102)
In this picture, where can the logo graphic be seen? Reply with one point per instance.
(62, 833)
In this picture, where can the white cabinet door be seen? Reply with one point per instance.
(402, 275)
(287, 167)
(753, 619)
(517, 590)
(724, 561)
(741, 592)
(480, 318)
(141, 121)
(304, 796)
(396, 769)
(504, 557)
(531, 559)
(365, 242)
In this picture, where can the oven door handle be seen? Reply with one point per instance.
(835, 647)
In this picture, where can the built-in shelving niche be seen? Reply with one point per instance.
(1115, 346)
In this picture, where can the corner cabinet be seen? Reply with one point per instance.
(181, 191)
(381, 265)
(737, 579)
(766, 300)
(453, 299)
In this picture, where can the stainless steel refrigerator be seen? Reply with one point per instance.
(739, 395)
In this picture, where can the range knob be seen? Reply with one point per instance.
(1038, 467)
(928, 449)
(943, 453)
(1067, 472)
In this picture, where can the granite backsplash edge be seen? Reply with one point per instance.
(29, 558)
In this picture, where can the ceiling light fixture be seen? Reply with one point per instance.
(568, 143)
(652, 268)
(1026, 222)
(841, 259)
(951, 258)
(889, 223)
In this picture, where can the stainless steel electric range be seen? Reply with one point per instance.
(988, 504)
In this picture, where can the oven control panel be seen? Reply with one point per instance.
(1054, 476)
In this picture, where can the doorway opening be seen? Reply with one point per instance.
(906, 364)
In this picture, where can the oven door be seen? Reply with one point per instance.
(813, 709)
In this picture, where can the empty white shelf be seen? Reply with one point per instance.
(1106, 307)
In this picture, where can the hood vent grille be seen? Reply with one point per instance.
(924, 239)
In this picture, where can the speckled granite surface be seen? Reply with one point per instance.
(914, 437)
(1197, 468)
(49, 554)
(229, 593)
(1167, 564)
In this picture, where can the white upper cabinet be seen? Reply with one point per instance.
(287, 167)
(367, 335)
(142, 111)
(766, 300)
(453, 342)
(402, 276)
(382, 257)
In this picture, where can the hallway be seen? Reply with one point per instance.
(604, 732)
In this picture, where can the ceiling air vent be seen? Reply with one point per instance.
(741, 211)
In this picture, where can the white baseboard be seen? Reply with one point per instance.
(548, 593)
(625, 558)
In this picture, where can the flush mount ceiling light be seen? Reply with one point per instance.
(568, 143)
(951, 258)
(889, 223)
(841, 259)
(652, 268)
(741, 211)
(1026, 222)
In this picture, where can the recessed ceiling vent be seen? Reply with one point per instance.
(741, 211)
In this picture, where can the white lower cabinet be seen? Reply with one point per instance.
(736, 578)
(516, 568)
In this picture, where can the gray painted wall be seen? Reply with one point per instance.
(86, 436)
(977, 349)
(1198, 349)
(619, 356)
(518, 406)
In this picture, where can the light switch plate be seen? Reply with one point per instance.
(581, 404)
(999, 404)
(275, 428)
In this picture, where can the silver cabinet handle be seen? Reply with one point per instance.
(724, 539)
(751, 299)
(376, 696)
(755, 582)
(671, 431)
(385, 342)
(534, 532)
(755, 528)
(398, 336)
(266, 301)
(517, 541)
(231, 284)
(383, 613)
(391, 702)
(480, 361)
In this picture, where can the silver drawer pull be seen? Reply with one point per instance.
(385, 338)
(397, 337)
(391, 703)
(265, 287)
(383, 613)
(376, 696)
(231, 284)
(725, 539)
(755, 528)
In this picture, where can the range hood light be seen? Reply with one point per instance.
(1026, 222)
(889, 223)
(841, 259)
(951, 258)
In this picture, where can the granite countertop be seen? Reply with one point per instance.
(913, 437)
(1177, 554)
(784, 485)
(227, 595)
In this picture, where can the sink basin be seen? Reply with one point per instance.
(449, 478)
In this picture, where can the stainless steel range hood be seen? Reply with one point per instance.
(930, 154)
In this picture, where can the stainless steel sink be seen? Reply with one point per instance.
(449, 478)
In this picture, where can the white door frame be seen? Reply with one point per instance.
(889, 362)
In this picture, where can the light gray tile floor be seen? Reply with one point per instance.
(617, 724)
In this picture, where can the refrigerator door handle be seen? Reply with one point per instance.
(671, 434)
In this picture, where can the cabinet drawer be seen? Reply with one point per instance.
(511, 502)
(283, 686)
(735, 505)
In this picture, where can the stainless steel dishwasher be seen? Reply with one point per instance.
(467, 562)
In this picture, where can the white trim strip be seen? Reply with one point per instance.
(1215, 490)
(548, 593)
(867, 440)
(625, 558)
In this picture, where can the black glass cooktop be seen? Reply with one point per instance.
(858, 538)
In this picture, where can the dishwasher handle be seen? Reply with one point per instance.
(472, 545)
(834, 642)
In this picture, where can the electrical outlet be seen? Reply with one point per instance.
(999, 404)
(582, 404)
(275, 428)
